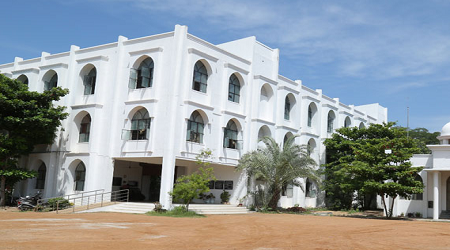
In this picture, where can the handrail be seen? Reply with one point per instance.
(86, 201)
(68, 195)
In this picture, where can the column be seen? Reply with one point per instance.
(436, 195)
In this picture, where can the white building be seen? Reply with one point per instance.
(142, 109)
(435, 200)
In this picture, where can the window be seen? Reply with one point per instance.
(361, 125)
(230, 135)
(23, 79)
(310, 147)
(347, 122)
(89, 82)
(140, 125)
(40, 180)
(287, 108)
(143, 76)
(417, 196)
(330, 123)
(287, 190)
(310, 189)
(80, 174)
(221, 185)
(85, 128)
(200, 77)
(195, 128)
(234, 89)
(48, 85)
(310, 116)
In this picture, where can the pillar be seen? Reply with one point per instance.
(436, 195)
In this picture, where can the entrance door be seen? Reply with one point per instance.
(448, 195)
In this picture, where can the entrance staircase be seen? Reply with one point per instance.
(445, 215)
(141, 208)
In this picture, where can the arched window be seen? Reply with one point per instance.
(287, 108)
(40, 179)
(230, 135)
(361, 125)
(417, 196)
(311, 189)
(311, 113)
(140, 125)
(287, 136)
(234, 89)
(347, 122)
(195, 128)
(310, 147)
(143, 76)
(85, 129)
(52, 83)
(200, 81)
(23, 79)
(330, 123)
(80, 175)
(89, 82)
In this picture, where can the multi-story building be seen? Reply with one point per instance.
(142, 109)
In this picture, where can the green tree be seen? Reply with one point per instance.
(27, 118)
(373, 160)
(278, 166)
(189, 187)
(425, 138)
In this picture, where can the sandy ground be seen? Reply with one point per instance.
(29, 230)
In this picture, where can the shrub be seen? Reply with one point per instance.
(296, 209)
(225, 196)
(159, 208)
(63, 203)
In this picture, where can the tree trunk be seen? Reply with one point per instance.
(273, 203)
(2, 190)
(391, 209)
(384, 204)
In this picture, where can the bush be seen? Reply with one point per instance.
(296, 209)
(63, 203)
(179, 211)
(159, 208)
(225, 196)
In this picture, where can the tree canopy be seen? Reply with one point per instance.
(27, 118)
(425, 138)
(277, 166)
(373, 160)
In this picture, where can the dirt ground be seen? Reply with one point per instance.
(30, 230)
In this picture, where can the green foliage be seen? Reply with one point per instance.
(225, 196)
(358, 161)
(58, 203)
(277, 165)
(189, 187)
(27, 118)
(424, 138)
(179, 211)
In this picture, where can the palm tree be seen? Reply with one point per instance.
(277, 166)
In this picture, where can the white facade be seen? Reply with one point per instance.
(436, 178)
(138, 131)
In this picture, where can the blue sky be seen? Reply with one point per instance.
(396, 53)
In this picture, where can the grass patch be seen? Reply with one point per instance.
(177, 212)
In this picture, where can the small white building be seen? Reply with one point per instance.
(435, 200)
(142, 109)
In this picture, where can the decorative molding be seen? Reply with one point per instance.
(330, 106)
(263, 121)
(202, 54)
(141, 101)
(346, 113)
(23, 71)
(233, 114)
(145, 51)
(310, 134)
(95, 48)
(86, 106)
(311, 98)
(200, 105)
(309, 90)
(265, 79)
(53, 66)
(289, 89)
(231, 66)
(288, 128)
(92, 59)
(148, 38)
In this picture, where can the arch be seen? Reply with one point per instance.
(330, 121)
(23, 79)
(311, 146)
(289, 103)
(50, 80)
(347, 122)
(41, 175)
(264, 131)
(234, 88)
(310, 189)
(200, 77)
(230, 135)
(419, 196)
(195, 128)
(85, 129)
(140, 125)
(312, 110)
(89, 77)
(80, 176)
(141, 75)
(361, 125)
(287, 136)
(265, 101)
